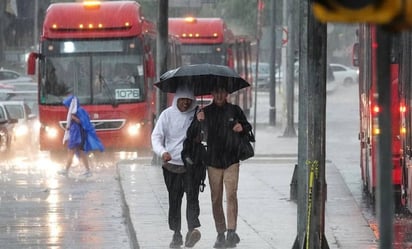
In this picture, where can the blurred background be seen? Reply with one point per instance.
(21, 21)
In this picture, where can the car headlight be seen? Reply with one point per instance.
(21, 130)
(36, 125)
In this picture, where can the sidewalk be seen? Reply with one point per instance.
(267, 218)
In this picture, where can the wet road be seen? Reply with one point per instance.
(40, 209)
(343, 150)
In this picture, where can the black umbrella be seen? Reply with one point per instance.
(202, 78)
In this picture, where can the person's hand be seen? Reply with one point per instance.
(237, 127)
(75, 118)
(166, 157)
(200, 115)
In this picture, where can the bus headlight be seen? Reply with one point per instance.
(134, 129)
(50, 132)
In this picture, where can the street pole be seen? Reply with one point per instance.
(272, 63)
(301, 171)
(3, 21)
(161, 56)
(312, 87)
(258, 35)
(385, 200)
(162, 25)
(290, 62)
(317, 75)
(36, 23)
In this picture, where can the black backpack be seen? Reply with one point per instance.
(194, 151)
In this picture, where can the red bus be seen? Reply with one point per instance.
(365, 57)
(209, 40)
(88, 49)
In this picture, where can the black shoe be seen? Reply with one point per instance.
(192, 237)
(220, 241)
(177, 241)
(232, 239)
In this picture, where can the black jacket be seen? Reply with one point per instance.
(222, 141)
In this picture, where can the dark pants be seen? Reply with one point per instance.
(177, 184)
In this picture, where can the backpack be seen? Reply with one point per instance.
(194, 151)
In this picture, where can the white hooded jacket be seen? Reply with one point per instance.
(171, 126)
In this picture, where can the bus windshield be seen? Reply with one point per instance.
(93, 71)
(196, 54)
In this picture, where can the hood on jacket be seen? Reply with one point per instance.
(67, 102)
(184, 92)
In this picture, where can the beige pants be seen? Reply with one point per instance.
(227, 178)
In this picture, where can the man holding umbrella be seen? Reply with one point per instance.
(167, 142)
(222, 123)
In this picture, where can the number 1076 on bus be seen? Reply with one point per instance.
(127, 93)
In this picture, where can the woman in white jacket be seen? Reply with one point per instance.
(167, 142)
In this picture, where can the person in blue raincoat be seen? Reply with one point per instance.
(80, 135)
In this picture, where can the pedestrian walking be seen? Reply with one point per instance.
(222, 123)
(79, 135)
(167, 142)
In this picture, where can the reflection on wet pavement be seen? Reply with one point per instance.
(40, 209)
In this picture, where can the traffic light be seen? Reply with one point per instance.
(371, 11)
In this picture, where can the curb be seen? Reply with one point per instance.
(126, 213)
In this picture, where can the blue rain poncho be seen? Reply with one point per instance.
(82, 134)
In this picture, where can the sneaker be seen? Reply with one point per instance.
(220, 241)
(177, 241)
(232, 239)
(87, 174)
(192, 237)
(63, 172)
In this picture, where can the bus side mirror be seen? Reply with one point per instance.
(31, 63)
(355, 55)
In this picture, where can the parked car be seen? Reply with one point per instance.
(25, 132)
(26, 92)
(263, 77)
(9, 77)
(344, 74)
(331, 80)
(6, 131)
(24, 86)
(262, 80)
